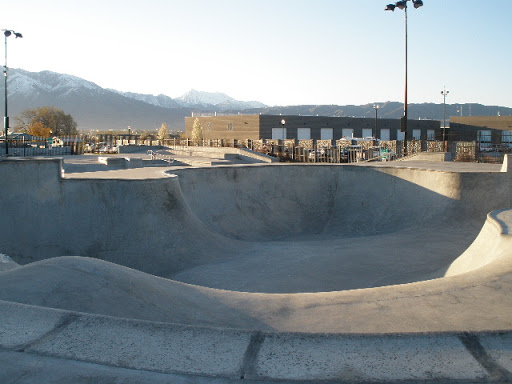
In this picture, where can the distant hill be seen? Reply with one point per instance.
(97, 108)
(390, 110)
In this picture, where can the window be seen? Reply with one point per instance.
(347, 133)
(431, 134)
(385, 135)
(400, 135)
(416, 134)
(326, 134)
(230, 126)
(367, 132)
(506, 138)
(208, 126)
(303, 133)
(484, 136)
(278, 133)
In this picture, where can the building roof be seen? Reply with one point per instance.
(503, 123)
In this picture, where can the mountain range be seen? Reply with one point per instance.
(97, 108)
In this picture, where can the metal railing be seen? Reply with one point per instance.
(159, 156)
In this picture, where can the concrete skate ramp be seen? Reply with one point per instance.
(279, 202)
(455, 327)
(93, 286)
(410, 333)
(177, 225)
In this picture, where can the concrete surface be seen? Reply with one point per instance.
(323, 273)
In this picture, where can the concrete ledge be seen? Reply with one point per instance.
(121, 162)
(138, 148)
(433, 156)
(235, 354)
(133, 162)
(116, 161)
(224, 152)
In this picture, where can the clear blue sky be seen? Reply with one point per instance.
(279, 52)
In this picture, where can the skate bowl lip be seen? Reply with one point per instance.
(456, 355)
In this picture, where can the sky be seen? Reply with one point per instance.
(278, 52)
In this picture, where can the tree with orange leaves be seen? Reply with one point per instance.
(38, 129)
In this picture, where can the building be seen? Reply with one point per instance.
(487, 130)
(275, 127)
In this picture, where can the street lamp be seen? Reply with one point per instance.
(445, 93)
(391, 7)
(376, 107)
(283, 122)
(7, 33)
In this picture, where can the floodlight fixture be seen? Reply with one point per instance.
(401, 4)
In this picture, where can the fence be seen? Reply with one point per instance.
(291, 150)
(356, 150)
(473, 151)
(306, 151)
(42, 146)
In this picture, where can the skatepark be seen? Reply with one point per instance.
(389, 272)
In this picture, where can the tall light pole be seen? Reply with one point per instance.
(445, 93)
(376, 107)
(391, 7)
(283, 122)
(7, 33)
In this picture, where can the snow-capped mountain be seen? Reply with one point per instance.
(33, 84)
(92, 107)
(222, 101)
(160, 100)
(57, 85)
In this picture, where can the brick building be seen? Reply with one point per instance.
(257, 127)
